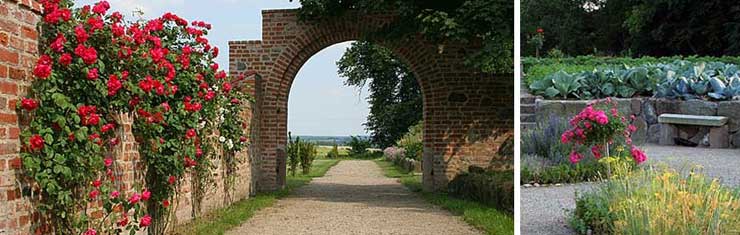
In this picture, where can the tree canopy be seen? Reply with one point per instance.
(634, 27)
(395, 98)
(489, 22)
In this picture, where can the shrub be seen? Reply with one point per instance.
(307, 153)
(334, 152)
(544, 140)
(412, 142)
(658, 202)
(393, 153)
(543, 172)
(95, 67)
(494, 188)
(292, 150)
(596, 129)
(358, 145)
(300, 153)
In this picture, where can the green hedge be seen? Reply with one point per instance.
(493, 188)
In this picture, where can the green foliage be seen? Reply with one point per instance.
(358, 146)
(95, 69)
(538, 68)
(412, 142)
(299, 153)
(658, 202)
(292, 151)
(633, 27)
(395, 97)
(333, 153)
(676, 80)
(307, 155)
(544, 140)
(584, 171)
(461, 21)
(493, 188)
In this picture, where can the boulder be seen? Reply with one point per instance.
(648, 113)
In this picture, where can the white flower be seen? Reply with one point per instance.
(230, 144)
(221, 139)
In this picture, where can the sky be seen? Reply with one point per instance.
(319, 103)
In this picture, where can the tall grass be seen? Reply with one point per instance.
(659, 202)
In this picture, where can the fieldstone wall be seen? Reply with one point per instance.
(647, 110)
(468, 115)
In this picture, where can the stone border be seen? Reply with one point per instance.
(647, 110)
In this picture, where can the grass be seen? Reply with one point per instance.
(220, 221)
(483, 217)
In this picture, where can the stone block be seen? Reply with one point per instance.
(666, 106)
(695, 120)
(653, 134)
(719, 137)
(667, 133)
(735, 140)
(636, 106)
(730, 109)
(698, 107)
(640, 136)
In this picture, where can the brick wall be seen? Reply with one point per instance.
(18, 55)
(468, 115)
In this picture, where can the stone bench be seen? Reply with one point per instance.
(718, 129)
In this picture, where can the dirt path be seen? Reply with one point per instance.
(354, 198)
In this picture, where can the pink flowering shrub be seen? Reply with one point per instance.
(596, 127)
(393, 153)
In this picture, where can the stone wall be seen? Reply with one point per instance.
(467, 114)
(18, 55)
(647, 110)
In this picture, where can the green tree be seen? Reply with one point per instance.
(634, 27)
(489, 22)
(395, 98)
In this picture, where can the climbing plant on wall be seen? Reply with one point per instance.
(94, 67)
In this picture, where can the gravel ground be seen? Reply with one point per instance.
(354, 198)
(544, 210)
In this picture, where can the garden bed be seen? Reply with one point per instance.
(658, 202)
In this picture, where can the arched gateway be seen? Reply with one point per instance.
(468, 115)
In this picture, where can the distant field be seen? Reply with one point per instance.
(322, 150)
(328, 140)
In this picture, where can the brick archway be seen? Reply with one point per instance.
(467, 115)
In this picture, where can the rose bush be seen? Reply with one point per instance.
(94, 67)
(598, 126)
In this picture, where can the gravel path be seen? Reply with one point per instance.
(544, 210)
(354, 198)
